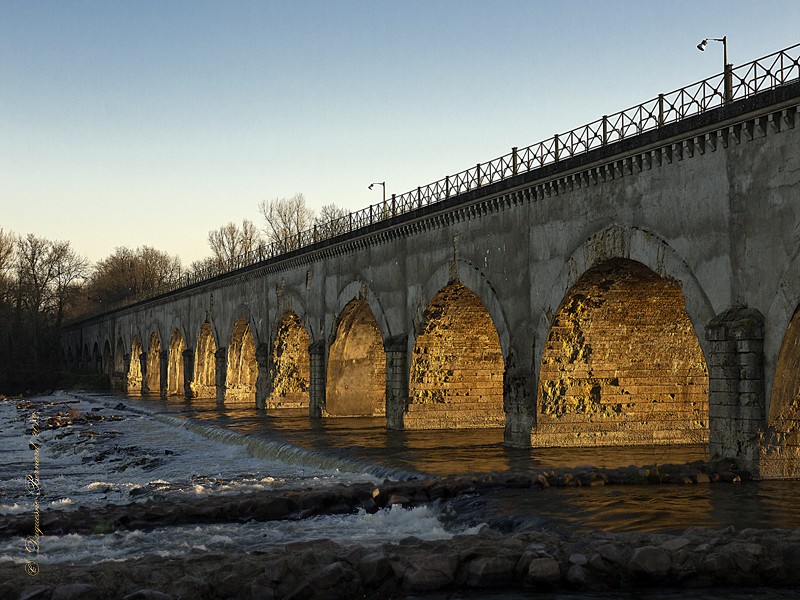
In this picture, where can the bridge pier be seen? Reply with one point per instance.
(316, 387)
(188, 373)
(519, 394)
(263, 381)
(396, 349)
(221, 356)
(126, 369)
(736, 386)
(163, 366)
(143, 366)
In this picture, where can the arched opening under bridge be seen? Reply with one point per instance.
(291, 368)
(784, 412)
(242, 366)
(205, 364)
(456, 378)
(175, 365)
(622, 364)
(154, 364)
(135, 368)
(356, 381)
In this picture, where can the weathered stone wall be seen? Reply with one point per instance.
(291, 366)
(203, 384)
(622, 364)
(457, 365)
(356, 382)
(153, 371)
(240, 381)
(134, 379)
(175, 375)
(779, 455)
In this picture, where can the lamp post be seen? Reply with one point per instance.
(727, 72)
(383, 185)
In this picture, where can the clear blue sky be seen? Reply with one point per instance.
(152, 122)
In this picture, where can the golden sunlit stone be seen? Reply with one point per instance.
(290, 364)
(356, 382)
(622, 364)
(457, 365)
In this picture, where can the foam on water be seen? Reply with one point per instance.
(119, 461)
(387, 525)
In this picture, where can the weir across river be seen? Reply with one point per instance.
(633, 281)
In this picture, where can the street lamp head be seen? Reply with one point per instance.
(702, 45)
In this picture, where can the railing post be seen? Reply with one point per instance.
(478, 167)
(514, 159)
(419, 196)
(351, 221)
(447, 186)
(660, 110)
(728, 83)
(394, 205)
(555, 147)
(605, 130)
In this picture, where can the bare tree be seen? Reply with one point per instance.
(229, 241)
(69, 271)
(285, 219)
(129, 272)
(7, 247)
(332, 221)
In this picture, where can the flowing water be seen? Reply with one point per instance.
(150, 448)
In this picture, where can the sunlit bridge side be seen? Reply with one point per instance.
(356, 383)
(622, 364)
(457, 365)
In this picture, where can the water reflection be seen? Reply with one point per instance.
(669, 508)
(440, 452)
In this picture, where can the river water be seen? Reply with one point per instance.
(149, 448)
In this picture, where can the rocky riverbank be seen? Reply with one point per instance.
(485, 561)
(164, 511)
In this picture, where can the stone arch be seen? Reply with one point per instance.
(780, 315)
(471, 277)
(97, 358)
(290, 364)
(242, 370)
(359, 290)
(784, 414)
(154, 364)
(637, 245)
(175, 375)
(135, 368)
(356, 376)
(119, 356)
(205, 363)
(108, 362)
(457, 365)
(622, 363)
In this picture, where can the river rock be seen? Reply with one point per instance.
(544, 571)
(650, 562)
(147, 594)
(429, 572)
(75, 591)
(374, 568)
(35, 592)
(488, 571)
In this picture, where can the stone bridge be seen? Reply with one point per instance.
(643, 289)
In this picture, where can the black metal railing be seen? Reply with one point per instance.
(744, 81)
